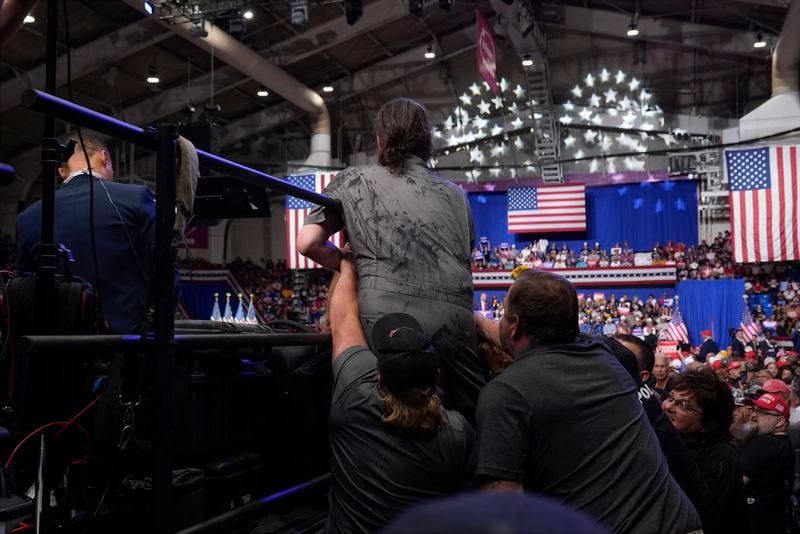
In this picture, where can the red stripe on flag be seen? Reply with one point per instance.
(745, 238)
(782, 185)
(796, 182)
(770, 247)
(756, 226)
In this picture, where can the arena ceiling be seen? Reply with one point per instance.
(695, 57)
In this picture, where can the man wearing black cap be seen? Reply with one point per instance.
(579, 436)
(392, 443)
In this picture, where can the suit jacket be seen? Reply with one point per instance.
(124, 238)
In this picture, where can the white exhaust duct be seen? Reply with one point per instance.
(255, 66)
(782, 111)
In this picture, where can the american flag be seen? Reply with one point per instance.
(560, 208)
(676, 331)
(764, 192)
(296, 212)
(749, 328)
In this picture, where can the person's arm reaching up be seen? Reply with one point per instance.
(312, 242)
(343, 311)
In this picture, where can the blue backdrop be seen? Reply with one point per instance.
(714, 305)
(640, 213)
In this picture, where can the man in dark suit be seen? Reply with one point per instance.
(124, 225)
(709, 347)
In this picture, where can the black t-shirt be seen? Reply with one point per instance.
(565, 421)
(378, 472)
(719, 465)
(768, 461)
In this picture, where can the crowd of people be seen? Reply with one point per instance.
(706, 261)
(278, 293)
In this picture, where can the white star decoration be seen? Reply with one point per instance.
(568, 105)
(589, 136)
(465, 99)
(589, 80)
(519, 92)
(475, 88)
(604, 75)
(497, 130)
(585, 114)
(569, 141)
(611, 96)
(503, 85)
(519, 142)
(484, 107)
(594, 100)
(577, 91)
(619, 77)
(517, 123)
(498, 102)
(633, 84)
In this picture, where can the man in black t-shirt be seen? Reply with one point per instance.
(564, 420)
(768, 465)
(392, 443)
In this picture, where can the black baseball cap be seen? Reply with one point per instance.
(406, 358)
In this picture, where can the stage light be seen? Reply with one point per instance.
(152, 76)
(327, 88)
(299, 12)
(29, 19)
(633, 30)
(353, 10)
(148, 7)
(198, 28)
(759, 42)
(248, 14)
(430, 54)
(262, 92)
(527, 61)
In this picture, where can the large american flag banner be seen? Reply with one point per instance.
(560, 208)
(676, 331)
(764, 192)
(749, 328)
(297, 210)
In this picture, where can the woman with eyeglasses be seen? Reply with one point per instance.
(700, 407)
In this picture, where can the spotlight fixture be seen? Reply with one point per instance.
(299, 12)
(29, 19)
(248, 14)
(152, 76)
(527, 61)
(633, 30)
(353, 10)
(759, 42)
(430, 54)
(149, 8)
(327, 88)
(198, 28)
(262, 92)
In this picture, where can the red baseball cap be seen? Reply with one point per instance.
(773, 385)
(734, 365)
(718, 364)
(771, 403)
(783, 362)
(706, 333)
